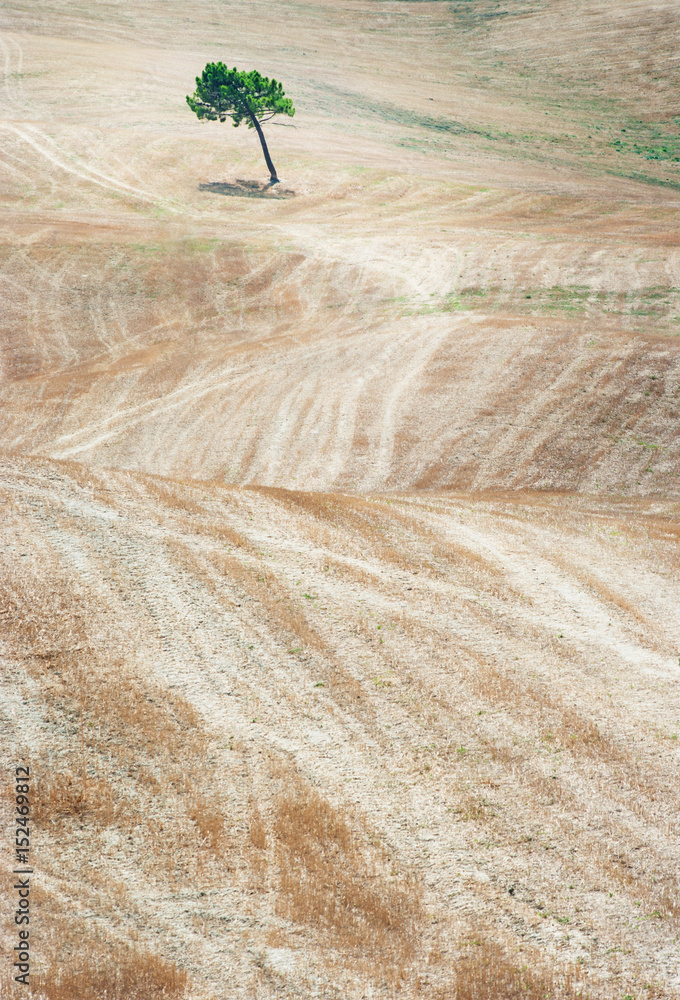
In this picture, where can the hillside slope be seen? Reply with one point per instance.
(339, 543)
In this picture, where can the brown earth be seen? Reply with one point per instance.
(340, 530)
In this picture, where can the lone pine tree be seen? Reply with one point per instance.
(223, 93)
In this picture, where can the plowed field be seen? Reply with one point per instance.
(339, 574)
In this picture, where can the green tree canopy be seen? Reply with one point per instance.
(223, 93)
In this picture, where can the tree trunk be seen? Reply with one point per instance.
(267, 158)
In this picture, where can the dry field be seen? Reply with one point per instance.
(339, 574)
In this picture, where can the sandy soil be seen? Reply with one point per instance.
(340, 531)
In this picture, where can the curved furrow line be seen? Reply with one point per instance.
(37, 140)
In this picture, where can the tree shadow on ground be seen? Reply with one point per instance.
(247, 189)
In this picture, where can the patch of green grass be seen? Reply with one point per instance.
(196, 245)
(648, 141)
(453, 303)
(654, 306)
(149, 248)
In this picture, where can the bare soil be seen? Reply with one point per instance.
(339, 540)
